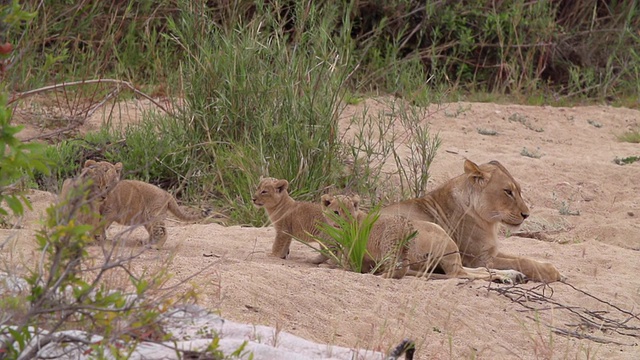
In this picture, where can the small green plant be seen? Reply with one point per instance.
(346, 243)
(535, 154)
(564, 206)
(487, 132)
(423, 147)
(594, 123)
(626, 160)
(632, 136)
(17, 160)
(377, 138)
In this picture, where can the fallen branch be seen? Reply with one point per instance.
(74, 124)
(126, 84)
(602, 320)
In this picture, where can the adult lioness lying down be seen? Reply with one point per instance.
(470, 208)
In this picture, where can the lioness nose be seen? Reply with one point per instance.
(524, 215)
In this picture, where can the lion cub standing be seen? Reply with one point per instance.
(89, 188)
(289, 217)
(392, 250)
(133, 202)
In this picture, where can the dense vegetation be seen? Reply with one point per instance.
(257, 86)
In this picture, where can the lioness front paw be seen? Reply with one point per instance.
(512, 277)
(548, 273)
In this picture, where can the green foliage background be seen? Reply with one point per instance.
(258, 85)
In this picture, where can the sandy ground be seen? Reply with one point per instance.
(593, 316)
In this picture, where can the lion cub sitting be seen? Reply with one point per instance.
(289, 217)
(90, 187)
(133, 202)
(395, 254)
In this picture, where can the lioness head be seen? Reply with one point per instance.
(495, 193)
(344, 206)
(270, 192)
(103, 174)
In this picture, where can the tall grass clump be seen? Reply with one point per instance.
(261, 100)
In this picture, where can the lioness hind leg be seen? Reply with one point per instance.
(433, 246)
(157, 234)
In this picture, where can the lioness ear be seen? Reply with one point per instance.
(281, 185)
(89, 163)
(474, 172)
(326, 200)
(356, 201)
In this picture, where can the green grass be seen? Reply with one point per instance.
(632, 136)
(626, 160)
(346, 243)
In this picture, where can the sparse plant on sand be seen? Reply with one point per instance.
(487, 132)
(626, 160)
(534, 154)
(631, 136)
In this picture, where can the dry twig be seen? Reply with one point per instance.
(610, 319)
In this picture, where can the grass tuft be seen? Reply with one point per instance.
(632, 136)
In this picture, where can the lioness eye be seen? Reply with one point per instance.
(263, 192)
(508, 192)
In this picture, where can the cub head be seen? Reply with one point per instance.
(495, 194)
(270, 192)
(344, 206)
(104, 175)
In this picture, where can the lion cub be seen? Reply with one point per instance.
(289, 217)
(133, 202)
(90, 187)
(395, 253)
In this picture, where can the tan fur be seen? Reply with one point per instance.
(133, 202)
(470, 208)
(90, 187)
(395, 255)
(289, 217)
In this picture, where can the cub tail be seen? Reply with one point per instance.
(175, 210)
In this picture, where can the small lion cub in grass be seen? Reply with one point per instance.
(133, 202)
(289, 217)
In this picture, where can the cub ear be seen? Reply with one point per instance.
(356, 201)
(118, 167)
(475, 174)
(89, 163)
(326, 200)
(281, 185)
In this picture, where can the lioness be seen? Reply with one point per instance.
(90, 187)
(470, 208)
(289, 217)
(393, 252)
(133, 202)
